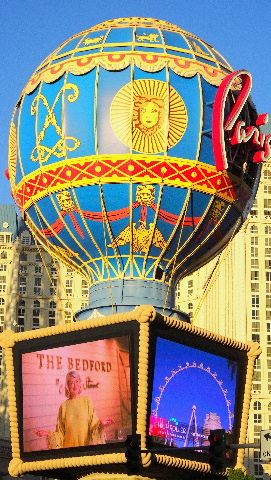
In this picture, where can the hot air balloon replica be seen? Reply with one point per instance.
(130, 163)
(112, 162)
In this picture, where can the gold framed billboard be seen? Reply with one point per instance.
(77, 390)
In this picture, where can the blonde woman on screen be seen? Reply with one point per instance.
(77, 423)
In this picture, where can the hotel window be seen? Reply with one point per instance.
(84, 305)
(53, 271)
(254, 275)
(256, 337)
(3, 281)
(255, 263)
(269, 381)
(267, 230)
(22, 285)
(4, 255)
(5, 238)
(23, 269)
(255, 300)
(268, 301)
(26, 239)
(257, 406)
(255, 287)
(69, 285)
(52, 314)
(21, 312)
(255, 314)
(37, 286)
(255, 251)
(53, 286)
(38, 258)
(1, 356)
(255, 326)
(190, 287)
(258, 469)
(254, 208)
(68, 313)
(2, 315)
(269, 410)
(254, 240)
(253, 229)
(257, 429)
(85, 288)
(257, 363)
(3, 267)
(23, 257)
(38, 270)
(257, 418)
(267, 189)
(36, 314)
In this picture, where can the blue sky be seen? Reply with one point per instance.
(31, 29)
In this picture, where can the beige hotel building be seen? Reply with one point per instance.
(230, 295)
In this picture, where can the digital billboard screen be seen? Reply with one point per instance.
(75, 395)
(194, 391)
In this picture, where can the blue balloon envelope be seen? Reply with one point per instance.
(111, 155)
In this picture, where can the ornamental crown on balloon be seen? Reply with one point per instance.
(121, 158)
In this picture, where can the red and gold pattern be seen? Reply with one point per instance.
(127, 168)
(149, 62)
(12, 154)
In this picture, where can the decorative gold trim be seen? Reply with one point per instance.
(253, 353)
(114, 476)
(12, 154)
(115, 61)
(146, 23)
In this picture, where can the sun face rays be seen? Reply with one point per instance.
(149, 116)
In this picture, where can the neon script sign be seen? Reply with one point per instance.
(238, 131)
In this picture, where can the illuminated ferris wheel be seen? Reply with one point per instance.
(193, 365)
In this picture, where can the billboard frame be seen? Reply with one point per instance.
(146, 322)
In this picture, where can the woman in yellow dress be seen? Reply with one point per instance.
(77, 423)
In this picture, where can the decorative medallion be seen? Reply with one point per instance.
(149, 116)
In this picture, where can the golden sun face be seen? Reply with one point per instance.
(149, 116)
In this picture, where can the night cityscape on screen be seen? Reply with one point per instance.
(193, 391)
